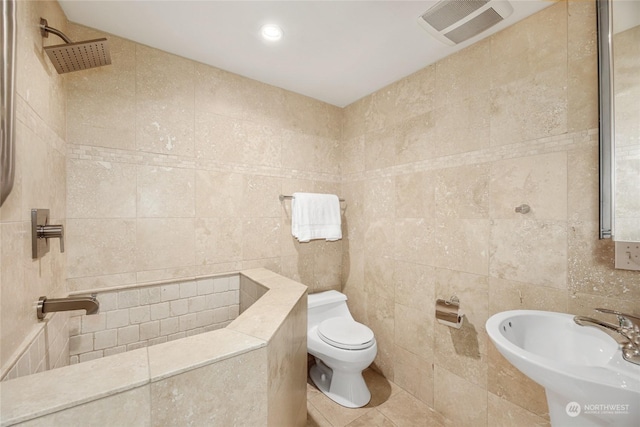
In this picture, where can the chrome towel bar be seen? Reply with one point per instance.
(283, 197)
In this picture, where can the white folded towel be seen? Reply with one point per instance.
(315, 216)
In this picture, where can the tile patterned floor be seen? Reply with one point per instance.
(390, 406)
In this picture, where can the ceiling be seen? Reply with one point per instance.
(333, 51)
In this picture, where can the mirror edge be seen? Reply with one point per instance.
(7, 119)
(606, 122)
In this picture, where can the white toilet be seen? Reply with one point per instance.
(343, 348)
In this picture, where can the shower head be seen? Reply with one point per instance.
(75, 56)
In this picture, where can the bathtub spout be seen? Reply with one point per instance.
(45, 305)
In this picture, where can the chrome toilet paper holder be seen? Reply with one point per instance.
(448, 312)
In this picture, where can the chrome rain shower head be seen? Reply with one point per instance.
(75, 56)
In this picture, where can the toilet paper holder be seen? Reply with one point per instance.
(448, 312)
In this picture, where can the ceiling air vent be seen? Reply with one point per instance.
(454, 21)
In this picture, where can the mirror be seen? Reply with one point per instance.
(619, 72)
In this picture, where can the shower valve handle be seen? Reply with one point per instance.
(51, 232)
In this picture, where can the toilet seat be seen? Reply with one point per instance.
(345, 333)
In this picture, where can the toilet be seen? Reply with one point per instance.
(342, 347)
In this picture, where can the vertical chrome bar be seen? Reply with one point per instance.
(607, 136)
(7, 149)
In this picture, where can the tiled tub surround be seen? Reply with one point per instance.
(136, 317)
(252, 373)
(48, 348)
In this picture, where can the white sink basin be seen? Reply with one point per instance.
(581, 368)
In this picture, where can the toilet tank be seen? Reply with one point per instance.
(324, 305)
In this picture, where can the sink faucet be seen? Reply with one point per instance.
(628, 327)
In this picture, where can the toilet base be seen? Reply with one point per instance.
(345, 388)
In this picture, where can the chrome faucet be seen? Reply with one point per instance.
(45, 305)
(628, 327)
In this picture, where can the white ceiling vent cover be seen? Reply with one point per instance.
(454, 21)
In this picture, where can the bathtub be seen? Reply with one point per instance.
(251, 372)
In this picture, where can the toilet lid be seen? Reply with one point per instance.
(345, 333)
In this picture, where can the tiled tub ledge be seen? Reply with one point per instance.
(251, 373)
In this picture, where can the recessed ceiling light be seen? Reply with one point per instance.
(271, 32)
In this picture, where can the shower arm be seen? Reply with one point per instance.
(45, 29)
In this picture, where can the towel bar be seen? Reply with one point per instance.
(283, 197)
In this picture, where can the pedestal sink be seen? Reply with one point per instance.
(586, 381)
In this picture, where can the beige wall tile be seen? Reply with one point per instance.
(459, 401)
(218, 137)
(416, 139)
(379, 277)
(414, 374)
(352, 156)
(529, 251)
(534, 107)
(218, 194)
(127, 408)
(260, 197)
(380, 148)
(414, 331)
(379, 238)
(460, 245)
(508, 295)
(264, 145)
(462, 124)
(260, 238)
(40, 182)
(503, 413)
(165, 192)
(530, 48)
(101, 189)
(463, 351)
(413, 236)
(591, 264)
(379, 198)
(301, 151)
(241, 396)
(583, 184)
(379, 317)
(164, 102)
(453, 73)
(507, 382)
(582, 66)
(101, 116)
(93, 251)
(462, 192)
(37, 82)
(218, 240)
(407, 411)
(164, 242)
(539, 181)
(414, 195)
(415, 286)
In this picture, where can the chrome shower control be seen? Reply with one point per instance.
(41, 232)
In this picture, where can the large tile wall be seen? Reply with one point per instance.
(433, 167)
(40, 182)
(175, 168)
